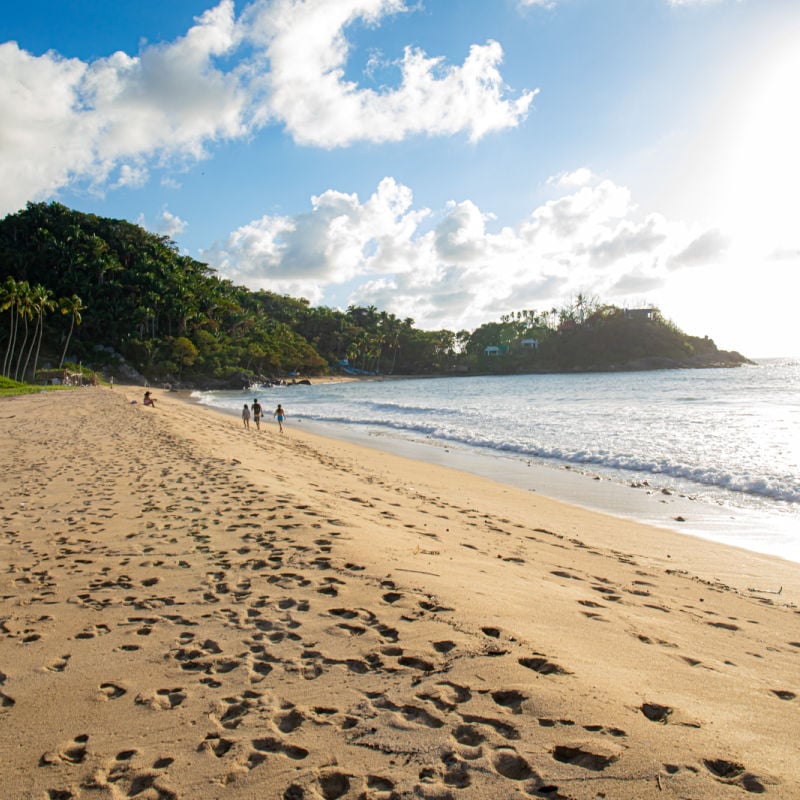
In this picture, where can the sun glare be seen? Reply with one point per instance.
(763, 160)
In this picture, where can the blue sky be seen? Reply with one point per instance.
(447, 160)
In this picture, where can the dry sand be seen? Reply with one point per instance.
(192, 610)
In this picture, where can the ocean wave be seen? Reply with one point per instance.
(783, 488)
(732, 432)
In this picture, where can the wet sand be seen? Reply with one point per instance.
(192, 610)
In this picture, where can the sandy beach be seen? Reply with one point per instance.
(193, 610)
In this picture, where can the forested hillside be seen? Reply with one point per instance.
(107, 293)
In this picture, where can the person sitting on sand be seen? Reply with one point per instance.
(149, 400)
(257, 413)
(280, 414)
(246, 416)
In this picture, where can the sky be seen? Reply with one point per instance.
(445, 160)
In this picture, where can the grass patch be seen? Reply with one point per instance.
(9, 388)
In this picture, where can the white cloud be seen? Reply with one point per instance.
(131, 175)
(339, 239)
(578, 177)
(171, 225)
(42, 139)
(168, 224)
(307, 92)
(705, 248)
(63, 121)
(109, 122)
(451, 268)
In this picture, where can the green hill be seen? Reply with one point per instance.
(123, 301)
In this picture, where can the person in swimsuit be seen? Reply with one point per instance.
(246, 416)
(280, 415)
(149, 400)
(257, 413)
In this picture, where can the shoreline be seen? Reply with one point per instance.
(651, 504)
(649, 512)
(193, 610)
(666, 508)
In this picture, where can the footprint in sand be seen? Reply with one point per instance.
(510, 764)
(734, 773)
(290, 721)
(162, 699)
(73, 753)
(271, 745)
(560, 573)
(111, 691)
(59, 665)
(589, 757)
(505, 730)
(333, 785)
(539, 663)
(215, 744)
(511, 699)
(655, 712)
(232, 710)
(468, 735)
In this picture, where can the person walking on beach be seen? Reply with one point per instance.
(246, 416)
(257, 413)
(280, 414)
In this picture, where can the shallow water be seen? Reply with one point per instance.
(729, 438)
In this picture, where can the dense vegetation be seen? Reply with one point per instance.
(106, 293)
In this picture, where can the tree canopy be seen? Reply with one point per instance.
(123, 290)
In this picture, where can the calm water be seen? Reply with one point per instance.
(728, 437)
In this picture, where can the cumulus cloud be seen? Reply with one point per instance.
(167, 224)
(709, 246)
(42, 138)
(306, 89)
(109, 122)
(171, 225)
(62, 120)
(578, 177)
(452, 267)
(338, 239)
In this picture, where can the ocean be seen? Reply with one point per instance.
(718, 448)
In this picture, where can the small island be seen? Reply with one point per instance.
(82, 292)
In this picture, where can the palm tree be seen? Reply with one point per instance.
(41, 302)
(25, 311)
(395, 348)
(8, 302)
(72, 306)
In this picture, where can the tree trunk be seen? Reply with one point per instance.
(21, 349)
(36, 332)
(12, 330)
(38, 348)
(66, 344)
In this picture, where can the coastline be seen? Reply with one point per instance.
(652, 499)
(190, 606)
